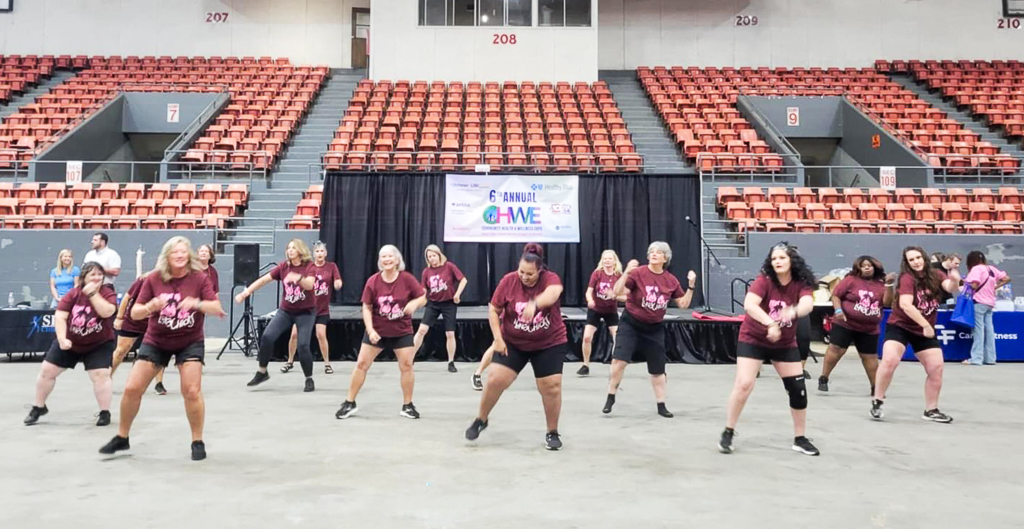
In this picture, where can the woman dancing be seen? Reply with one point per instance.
(526, 322)
(648, 291)
(438, 278)
(601, 303)
(328, 280)
(390, 297)
(779, 295)
(921, 290)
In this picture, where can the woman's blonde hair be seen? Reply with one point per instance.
(618, 263)
(393, 249)
(60, 268)
(434, 248)
(304, 254)
(163, 264)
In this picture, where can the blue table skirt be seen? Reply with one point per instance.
(956, 340)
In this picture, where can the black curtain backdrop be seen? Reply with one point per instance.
(361, 213)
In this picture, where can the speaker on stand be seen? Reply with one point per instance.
(246, 270)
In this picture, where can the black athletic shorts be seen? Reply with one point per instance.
(396, 342)
(635, 336)
(448, 309)
(100, 357)
(594, 318)
(841, 337)
(130, 334)
(323, 319)
(920, 343)
(767, 354)
(545, 362)
(161, 357)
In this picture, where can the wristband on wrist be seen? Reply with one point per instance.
(839, 311)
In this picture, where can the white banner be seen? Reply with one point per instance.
(512, 208)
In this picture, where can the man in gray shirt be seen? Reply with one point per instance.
(106, 257)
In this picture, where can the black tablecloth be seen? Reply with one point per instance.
(25, 331)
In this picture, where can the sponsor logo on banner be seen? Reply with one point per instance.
(41, 324)
(512, 208)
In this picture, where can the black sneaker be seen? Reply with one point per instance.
(583, 372)
(876, 410)
(823, 383)
(474, 429)
(663, 411)
(451, 367)
(803, 445)
(408, 410)
(116, 444)
(725, 443)
(309, 385)
(552, 441)
(160, 389)
(347, 409)
(35, 413)
(104, 418)
(937, 416)
(258, 379)
(478, 384)
(608, 403)
(198, 451)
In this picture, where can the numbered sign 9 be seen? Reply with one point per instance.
(887, 178)
(793, 116)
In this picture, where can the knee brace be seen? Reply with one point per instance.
(797, 390)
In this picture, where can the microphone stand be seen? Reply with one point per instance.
(706, 280)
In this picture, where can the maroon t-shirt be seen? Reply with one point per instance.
(441, 282)
(774, 300)
(511, 297)
(861, 301)
(128, 324)
(86, 329)
(293, 298)
(211, 273)
(172, 328)
(650, 294)
(924, 302)
(604, 295)
(387, 303)
(325, 276)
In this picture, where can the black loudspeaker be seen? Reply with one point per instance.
(247, 263)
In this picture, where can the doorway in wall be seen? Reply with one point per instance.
(360, 37)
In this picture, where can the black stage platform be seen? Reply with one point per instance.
(688, 340)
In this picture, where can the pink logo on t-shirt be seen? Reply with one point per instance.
(654, 300)
(868, 305)
(84, 321)
(389, 309)
(293, 292)
(320, 288)
(604, 290)
(540, 320)
(775, 308)
(925, 304)
(172, 317)
(436, 284)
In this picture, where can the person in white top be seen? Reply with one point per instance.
(106, 257)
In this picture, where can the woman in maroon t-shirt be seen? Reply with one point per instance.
(128, 330)
(328, 280)
(85, 333)
(858, 301)
(175, 297)
(648, 291)
(297, 307)
(912, 322)
(440, 278)
(778, 297)
(526, 322)
(601, 303)
(390, 297)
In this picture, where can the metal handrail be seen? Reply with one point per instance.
(205, 115)
(179, 170)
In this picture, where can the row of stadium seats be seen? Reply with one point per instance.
(307, 212)
(18, 76)
(135, 191)
(855, 196)
(860, 226)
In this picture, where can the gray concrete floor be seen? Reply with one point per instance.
(279, 458)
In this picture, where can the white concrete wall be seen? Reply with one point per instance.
(401, 49)
(305, 31)
(800, 32)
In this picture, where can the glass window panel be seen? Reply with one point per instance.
(519, 12)
(577, 13)
(431, 13)
(551, 13)
(492, 13)
(461, 13)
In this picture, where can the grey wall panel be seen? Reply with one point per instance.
(146, 112)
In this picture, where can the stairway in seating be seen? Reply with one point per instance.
(718, 233)
(274, 203)
(29, 97)
(649, 134)
(967, 119)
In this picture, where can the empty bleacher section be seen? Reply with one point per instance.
(438, 126)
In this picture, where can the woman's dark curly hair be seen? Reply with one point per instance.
(879, 274)
(799, 270)
(927, 279)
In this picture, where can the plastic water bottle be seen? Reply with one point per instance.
(10, 299)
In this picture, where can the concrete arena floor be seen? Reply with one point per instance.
(279, 458)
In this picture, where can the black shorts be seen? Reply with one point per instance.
(323, 319)
(634, 336)
(767, 354)
(448, 309)
(920, 343)
(101, 356)
(841, 337)
(545, 362)
(594, 318)
(396, 342)
(130, 334)
(193, 353)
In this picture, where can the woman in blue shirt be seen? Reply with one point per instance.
(64, 277)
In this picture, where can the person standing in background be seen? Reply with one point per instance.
(64, 276)
(984, 279)
(105, 256)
